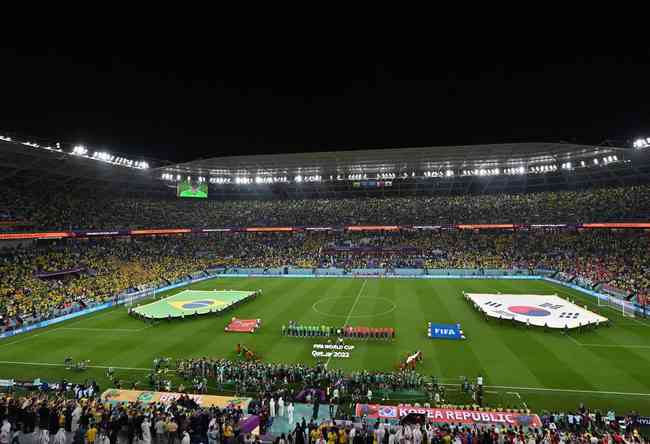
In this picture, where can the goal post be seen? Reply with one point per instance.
(131, 299)
(626, 308)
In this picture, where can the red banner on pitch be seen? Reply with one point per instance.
(377, 411)
(243, 325)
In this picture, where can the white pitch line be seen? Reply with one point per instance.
(48, 364)
(104, 330)
(574, 340)
(614, 345)
(582, 344)
(545, 389)
(500, 387)
(130, 330)
(645, 324)
(356, 301)
(2, 344)
(94, 316)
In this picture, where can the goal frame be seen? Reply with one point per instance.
(626, 308)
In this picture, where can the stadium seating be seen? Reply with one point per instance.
(47, 279)
(59, 209)
(98, 270)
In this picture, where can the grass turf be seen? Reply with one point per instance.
(605, 368)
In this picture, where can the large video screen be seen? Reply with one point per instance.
(192, 189)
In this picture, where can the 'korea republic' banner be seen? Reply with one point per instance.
(377, 411)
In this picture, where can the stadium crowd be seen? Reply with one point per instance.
(91, 272)
(97, 270)
(251, 375)
(63, 210)
(43, 419)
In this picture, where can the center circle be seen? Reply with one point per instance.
(392, 308)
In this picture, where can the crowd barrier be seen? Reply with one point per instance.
(290, 272)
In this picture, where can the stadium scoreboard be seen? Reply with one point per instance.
(190, 189)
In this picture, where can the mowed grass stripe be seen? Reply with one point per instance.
(489, 340)
(616, 369)
(507, 356)
(458, 358)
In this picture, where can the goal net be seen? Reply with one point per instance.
(131, 299)
(624, 307)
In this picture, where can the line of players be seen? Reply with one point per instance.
(346, 332)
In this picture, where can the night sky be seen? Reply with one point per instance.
(178, 104)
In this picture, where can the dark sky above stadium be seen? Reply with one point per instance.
(180, 102)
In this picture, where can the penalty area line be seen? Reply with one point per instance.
(582, 344)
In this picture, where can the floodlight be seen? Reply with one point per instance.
(79, 150)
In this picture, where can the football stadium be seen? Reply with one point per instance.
(497, 288)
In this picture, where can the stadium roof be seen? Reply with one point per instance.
(513, 167)
(396, 160)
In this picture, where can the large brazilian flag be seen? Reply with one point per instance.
(189, 302)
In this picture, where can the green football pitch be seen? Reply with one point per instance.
(605, 368)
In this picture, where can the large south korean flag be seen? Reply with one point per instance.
(539, 310)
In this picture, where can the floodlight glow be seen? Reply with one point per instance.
(79, 150)
(220, 180)
(243, 180)
(642, 143)
(298, 179)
